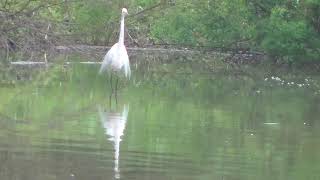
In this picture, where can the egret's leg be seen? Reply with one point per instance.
(111, 82)
(117, 86)
(110, 98)
(116, 100)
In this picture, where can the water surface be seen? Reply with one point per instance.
(164, 124)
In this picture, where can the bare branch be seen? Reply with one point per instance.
(147, 9)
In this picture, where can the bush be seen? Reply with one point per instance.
(289, 39)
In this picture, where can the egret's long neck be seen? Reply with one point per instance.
(121, 36)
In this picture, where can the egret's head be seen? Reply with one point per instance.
(124, 11)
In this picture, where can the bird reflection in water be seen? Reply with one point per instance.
(114, 123)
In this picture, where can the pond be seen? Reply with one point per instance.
(164, 124)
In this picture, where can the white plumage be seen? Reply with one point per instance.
(117, 58)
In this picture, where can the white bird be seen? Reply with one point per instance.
(117, 58)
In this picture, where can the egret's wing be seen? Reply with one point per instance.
(108, 58)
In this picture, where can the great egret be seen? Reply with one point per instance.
(117, 58)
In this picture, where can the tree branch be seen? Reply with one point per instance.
(147, 9)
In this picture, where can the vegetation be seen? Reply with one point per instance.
(287, 30)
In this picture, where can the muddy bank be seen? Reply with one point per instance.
(162, 54)
(67, 55)
(239, 56)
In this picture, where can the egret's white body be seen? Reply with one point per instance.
(117, 58)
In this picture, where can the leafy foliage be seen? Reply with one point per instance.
(286, 30)
(285, 37)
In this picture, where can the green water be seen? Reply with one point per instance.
(223, 125)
